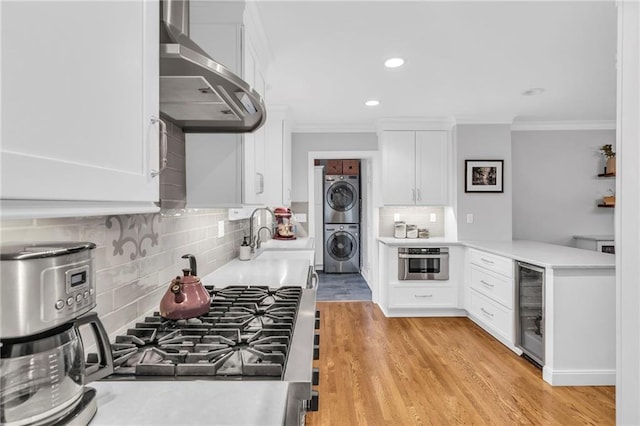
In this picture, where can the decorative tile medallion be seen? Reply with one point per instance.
(134, 230)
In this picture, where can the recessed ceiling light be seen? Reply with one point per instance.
(372, 102)
(394, 62)
(533, 92)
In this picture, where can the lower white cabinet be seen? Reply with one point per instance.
(422, 296)
(489, 286)
(496, 286)
(494, 316)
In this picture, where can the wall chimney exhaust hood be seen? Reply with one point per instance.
(197, 93)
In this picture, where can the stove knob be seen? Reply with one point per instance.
(316, 339)
(60, 304)
(316, 352)
(69, 301)
(85, 294)
(79, 297)
(314, 404)
(317, 323)
(315, 376)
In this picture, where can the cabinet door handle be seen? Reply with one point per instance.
(487, 284)
(163, 146)
(419, 296)
(487, 260)
(260, 183)
(419, 194)
(413, 194)
(487, 313)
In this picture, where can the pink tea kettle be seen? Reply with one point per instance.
(186, 297)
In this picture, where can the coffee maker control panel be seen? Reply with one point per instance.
(68, 291)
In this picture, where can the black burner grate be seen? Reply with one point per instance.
(246, 333)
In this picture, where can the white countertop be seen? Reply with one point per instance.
(270, 272)
(546, 255)
(537, 253)
(595, 237)
(193, 402)
(418, 241)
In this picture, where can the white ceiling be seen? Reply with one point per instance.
(467, 61)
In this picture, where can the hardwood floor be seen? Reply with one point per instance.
(412, 371)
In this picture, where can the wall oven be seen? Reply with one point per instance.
(423, 263)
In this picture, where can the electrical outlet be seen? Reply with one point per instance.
(433, 217)
(396, 217)
(220, 228)
(469, 217)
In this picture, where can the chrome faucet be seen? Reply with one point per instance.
(258, 234)
(252, 238)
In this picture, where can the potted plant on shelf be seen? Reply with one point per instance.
(607, 152)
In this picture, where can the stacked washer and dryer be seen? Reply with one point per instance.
(342, 217)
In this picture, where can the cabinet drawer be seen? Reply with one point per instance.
(498, 318)
(497, 264)
(421, 296)
(497, 287)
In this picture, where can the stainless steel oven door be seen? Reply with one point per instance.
(423, 264)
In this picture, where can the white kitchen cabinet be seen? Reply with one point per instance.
(420, 297)
(78, 106)
(277, 158)
(415, 166)
(219, 28)
(490, 294)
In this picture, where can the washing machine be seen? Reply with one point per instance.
(341, 199)
(341, 248)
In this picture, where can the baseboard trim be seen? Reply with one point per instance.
(579, 377)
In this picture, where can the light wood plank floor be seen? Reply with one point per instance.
(412, 371)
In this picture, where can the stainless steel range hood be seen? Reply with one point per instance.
(196, 92)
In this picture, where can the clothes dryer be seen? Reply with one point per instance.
(341, 248)
(341, 199)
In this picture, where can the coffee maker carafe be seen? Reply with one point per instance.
(48, 292)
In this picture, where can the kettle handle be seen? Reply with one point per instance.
(192, 263)
(105, 361)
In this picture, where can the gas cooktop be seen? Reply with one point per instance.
(246, 334)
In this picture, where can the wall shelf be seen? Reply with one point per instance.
(606, 205)
(607, 175)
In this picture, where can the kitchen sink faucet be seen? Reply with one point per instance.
(252, 238)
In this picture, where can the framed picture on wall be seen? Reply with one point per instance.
(483, 176)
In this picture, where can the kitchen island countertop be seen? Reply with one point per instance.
(546, 255)
(542, 254)
(197, 402)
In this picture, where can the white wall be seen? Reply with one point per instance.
(491, 212)
(302, 143)
(555, 185)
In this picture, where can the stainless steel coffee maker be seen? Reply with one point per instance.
(48, 291)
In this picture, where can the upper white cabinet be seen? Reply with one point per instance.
(79, 95)
(236, 161)
(277, 179)
(415, 167)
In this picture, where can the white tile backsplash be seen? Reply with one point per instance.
(419, 216)
(138, 255)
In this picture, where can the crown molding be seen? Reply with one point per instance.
(334, 128)
(415, 123)
(523, 126)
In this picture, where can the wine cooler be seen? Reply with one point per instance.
(530, 305)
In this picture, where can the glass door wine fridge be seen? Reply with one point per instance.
(530, 317)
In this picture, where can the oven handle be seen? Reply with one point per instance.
(422, 256)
